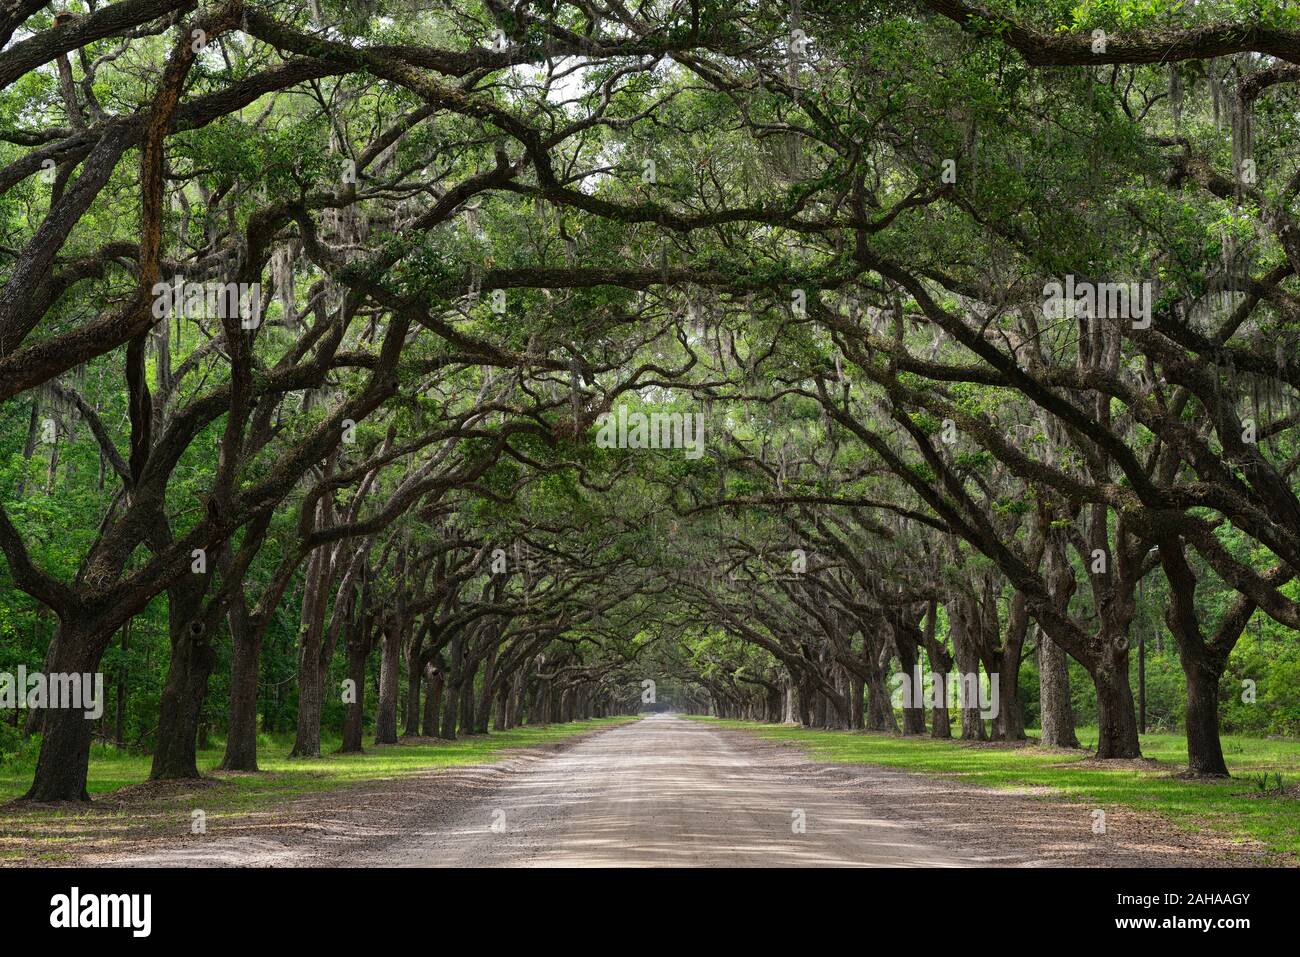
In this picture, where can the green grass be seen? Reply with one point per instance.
(111, 769)
(1232, 807)
(49, 834)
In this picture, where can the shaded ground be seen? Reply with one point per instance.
(666, 791)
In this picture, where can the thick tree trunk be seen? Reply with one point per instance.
(539, 711)
(414, 677)
(488, 690)
(450, 699)
(557, 705)
(790, 702)
(452, 689)
(501, 717)
(1055, 712)
(960, 615)
(838, 707)
(389, 668)
(186, 685)
(1203, 662)
(432, 700)
(805, 703)
(181, 705)
(940, 668)
(63, 761)
(1204, 751)
(940, 719)
(913, 705)
(1117, 733)
(772, 706)
(307, 740)
(245, 664)
(354, 711)
(880, 704)
(515, 712)
(1010, 722)
(819, 709)
(856, 689)
(880, 708)
(467, 703)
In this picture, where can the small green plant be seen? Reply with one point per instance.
(1267, 784)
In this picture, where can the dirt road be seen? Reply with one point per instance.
(666, 791)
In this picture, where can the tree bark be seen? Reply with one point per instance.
(186, 686)
(450, 700)
(1117, 733)
(960, 615)
(484, 711)
(856, 691)
(906, 641)
(1204, 750)
(500, 718)
(307, 738)
(1056, 715)
(411, 713)
(467, 702)
(880, 710)
(245, 664)
(414, 679)
(389, 668)
(63, 761)
(940, 668)
(432, 699)
(1010, 722)
(358, 652)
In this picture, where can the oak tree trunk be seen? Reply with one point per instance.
(1117, 732)
(64, 758)
(245, 664)
(432, 700)
(1204, 750)
(1055, 712)
(389, 669)
(354, 711)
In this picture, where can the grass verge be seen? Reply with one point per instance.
(1239, 808)
(129, 805)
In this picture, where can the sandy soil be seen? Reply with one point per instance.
(665, 791)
